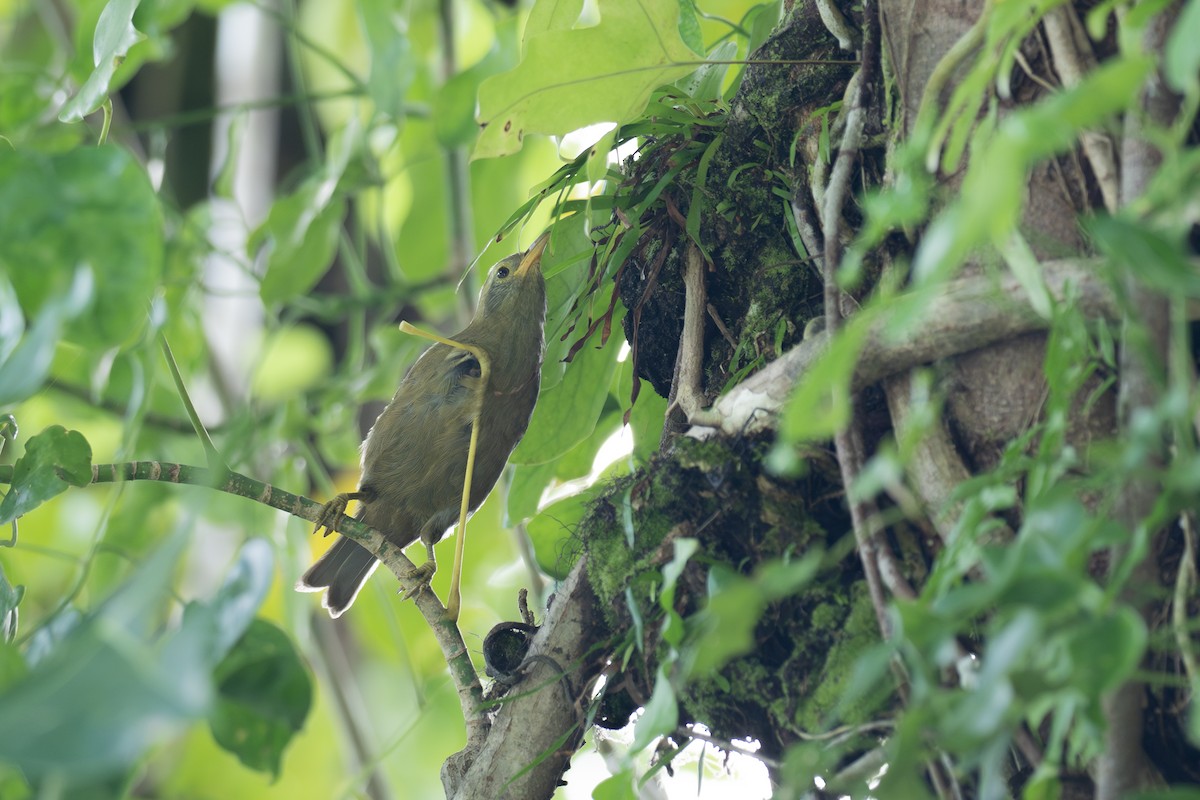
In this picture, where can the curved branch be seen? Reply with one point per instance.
(445, 631)
(966, 314)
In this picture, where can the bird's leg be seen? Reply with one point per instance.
(424, 573)
(330, 513)
(453, 602)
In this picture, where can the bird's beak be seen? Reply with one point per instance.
(533, 257)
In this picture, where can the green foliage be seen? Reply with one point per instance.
(54, 460)
(642, 36)
(93, 209)
(263, 697)
(115, 34)
(111, 671)
(115, 676)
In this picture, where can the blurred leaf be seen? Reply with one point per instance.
(54, 459)
(616, 787)
(724, 628)
(689, 27)
(301, 235)
(115, 34)
(572, 78)
(566, 414)
(25, 360)
(263, 697)
(1182, 63)
(993, 190)
(239, 598)
(820, 405)
(12, 668)
(106, 693)
(10, 598)
(91, 207)
(454, 104)
(391, 55)
(294, 358)
(525, 491)
(1106, 651)
(1146, 255)
(660, 716)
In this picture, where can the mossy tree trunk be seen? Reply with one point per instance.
(765, 287)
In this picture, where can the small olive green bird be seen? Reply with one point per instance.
(414, 460)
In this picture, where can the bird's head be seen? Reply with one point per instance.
(515, 289)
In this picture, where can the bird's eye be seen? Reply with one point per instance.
(502, 272)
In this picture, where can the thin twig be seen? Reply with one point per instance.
(1073, 59)
(848, 441)
(1185, 578)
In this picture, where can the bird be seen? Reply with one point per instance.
(414, 459)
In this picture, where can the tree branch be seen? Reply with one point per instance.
(545, 719)
(445, 631)
(964, 315)
(1124, 767)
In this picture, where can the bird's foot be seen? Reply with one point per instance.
(421, 576)
(331, 513)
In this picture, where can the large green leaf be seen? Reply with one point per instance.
(54, 459)
(107, 691)
(264, 695)
(572, 78)
(567, 413)
(91, 207)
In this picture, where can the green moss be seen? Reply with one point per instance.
(851, 635)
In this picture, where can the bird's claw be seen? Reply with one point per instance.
(330, 513)
(422, 575)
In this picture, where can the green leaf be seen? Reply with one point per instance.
(685, 548)
(12, 667)
(551, 15)
(94, 208)
(115, 34)
(689, 27)
(1146, 255)
(572, 78)
(567, 413)
(820, 405)
(239, 598)
(616, 787)
(1181, 65)
(54, 459)
(107, 692)
(661, 715)
(25, 359)
(525, 491)
(1106, 650)
(301, 235)
(724, 628)
(391, 56)
(10, 598)
(993, 190)
(263, 697)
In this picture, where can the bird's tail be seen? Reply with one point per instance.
(342, 571)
